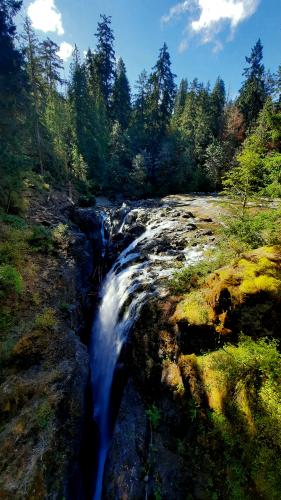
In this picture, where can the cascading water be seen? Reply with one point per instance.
(121, 299)
(122, 295)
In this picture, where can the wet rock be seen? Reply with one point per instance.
(137, 230)
(191, 227)
(205, 219)
(188, 215)
(87, 219)
(208, 232)
(123, 476)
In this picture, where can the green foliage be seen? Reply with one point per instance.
(192, 276)
(253, 92)
(10, 280)
(15, 221)
(242, 434)
(255, 230)
(154, 416)
(44, 415)
(46, 320)
(41, 240)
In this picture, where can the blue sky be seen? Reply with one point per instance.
(206, 38)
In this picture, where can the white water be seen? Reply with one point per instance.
(121, 300)
(122, 295)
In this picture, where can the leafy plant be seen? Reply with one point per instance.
(154, 416)
(10, 280)
(46, 320)
(41, 239)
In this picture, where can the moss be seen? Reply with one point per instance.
(194, 309)
(224, 298)
(242, 432)
(46, 320)
(261, 283)
(10, 280)
(44, 414)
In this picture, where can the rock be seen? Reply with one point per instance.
(137, 230)
(123, 477)
(205, 219)
(208, 232)
(87, 219)
(188, 215)
(191, 227)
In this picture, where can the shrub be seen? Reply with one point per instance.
(154, 416)
(242, 387)
(46, 320)
(13, 245)
(14, 221)
(59, 234)
(44, 414)
(41, 240)
(255, 230)
(10, 280)
(87, 200)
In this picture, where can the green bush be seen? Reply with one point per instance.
(14, 221)
(44, 414)
(46, 320)
(242, 387)
(41, 240)
(87, 200)
(154, 416)
(10, 280)
(255, 230)
(59, 234)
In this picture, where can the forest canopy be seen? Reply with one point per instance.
(97, 134)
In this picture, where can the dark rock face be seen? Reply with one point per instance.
(124, 476)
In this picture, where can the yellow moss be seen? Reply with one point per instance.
(194, 309)
(242, 403)
(46, 320)
(261, 283)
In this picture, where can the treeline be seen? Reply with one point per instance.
(99, 136)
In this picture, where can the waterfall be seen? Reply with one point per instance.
(122, 296)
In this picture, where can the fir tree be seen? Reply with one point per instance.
(105, 57)
(121, 99)
(253, 92)
(51, 63)
(13, 107)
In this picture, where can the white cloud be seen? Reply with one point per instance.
(207, 18)
(177, 10)
(66, 50)
(183, 46)
(45, 16)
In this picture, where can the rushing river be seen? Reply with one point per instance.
(127, 285)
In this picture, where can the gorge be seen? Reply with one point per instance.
(153, 237)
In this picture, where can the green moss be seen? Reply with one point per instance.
(44, 415)
(242, 432)
(10, 280)
(194, 309)
(46, 320)
(154, 416)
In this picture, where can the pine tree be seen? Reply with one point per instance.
(34, 67)
(138, 129)
(217, 101)
(105, 57)
(51, 63)
(181, 97)
(121, 99)
(163, 85)
(253, 92)
(13, 107)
